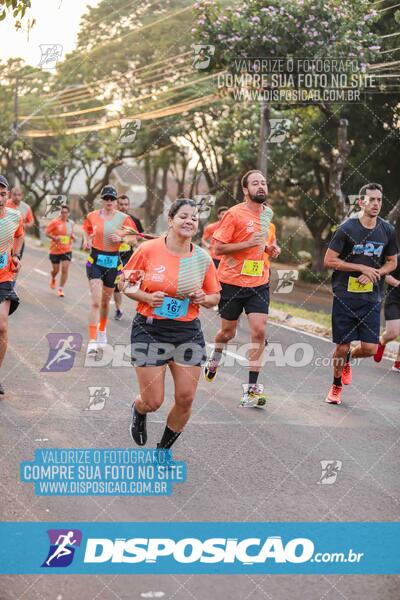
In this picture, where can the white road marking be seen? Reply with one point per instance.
(41, 272)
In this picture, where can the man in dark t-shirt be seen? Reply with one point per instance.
(392, 315)
(361, 253)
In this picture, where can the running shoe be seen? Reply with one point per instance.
(253, 395)
(347, 374)
(138, 427)
(396, 367)
(101, 339)
(92, 348)
(118, 314)
(52, 284)
(379, 353)
(210, 369)
(60, 293)
(335, 395)
(1, 390)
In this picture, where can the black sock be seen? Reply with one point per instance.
(348, 356)
(337, 381)
(253, 376)
(169, 437)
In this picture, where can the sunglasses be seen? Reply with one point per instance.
(109, 198)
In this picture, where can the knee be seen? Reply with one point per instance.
(258, 334)
(95, 303)
(152, 403)
(227, 334)
(3, 327)
(184, 401)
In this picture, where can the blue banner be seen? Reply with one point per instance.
(200, 548)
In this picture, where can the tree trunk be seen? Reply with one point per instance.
(318, 253)
(394, 218)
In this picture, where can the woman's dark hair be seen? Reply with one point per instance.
(65, 206)
(221, 209)
(178, 204)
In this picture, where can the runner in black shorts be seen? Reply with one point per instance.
(61, 233)
(125, 252)
(361, 251)
(241, 239)
(103, 234)
(172, 278)
(392, 315)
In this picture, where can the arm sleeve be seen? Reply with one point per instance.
(211, 284)
(137, 261)
(225, 231)
(271, 237)
(129, 222)
(338, 240)
(87, 226)
(392, 247)
(29, 216)
(20, 229)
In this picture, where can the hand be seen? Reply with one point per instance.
(197, 297)
(73, 237)
(274, 250)
(115, 238)
(87, 245)
(156, 299)
(16, 264)
(257, 239)
(56, 238)
(368, 274)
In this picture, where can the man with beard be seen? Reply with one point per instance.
(241, 240)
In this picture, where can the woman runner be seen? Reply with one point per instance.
(176, 278)
(102, 237)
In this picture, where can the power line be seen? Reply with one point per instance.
(155, 114)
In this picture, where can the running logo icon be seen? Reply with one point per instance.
(286, 279)
(329, 471)
(202, 55)
(62, 350)
(278, 130)
(97, 397)
(53, 205)
(50, 54)
(63, 543)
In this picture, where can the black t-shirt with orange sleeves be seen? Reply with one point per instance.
(101, 228)
(11, 227)
(176, 275)
(238, 224)
(63, 230)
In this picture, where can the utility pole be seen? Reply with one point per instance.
(262, 161)
(15, 122)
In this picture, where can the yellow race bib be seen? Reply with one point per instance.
(353, 285)
(64, 239)
(124, 247)
(253, 268)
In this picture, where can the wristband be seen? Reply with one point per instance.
(17, 256)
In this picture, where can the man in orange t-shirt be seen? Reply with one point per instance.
(241, 239)
(15, 201)
(61, 233)
(11, 240)
(208, 233)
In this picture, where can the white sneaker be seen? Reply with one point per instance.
(253, 395)
(101, 339)
(396, 367)
(92, 348)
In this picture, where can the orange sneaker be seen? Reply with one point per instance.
(334, 396)
(52, 284)
(60, 293)
(346, 374)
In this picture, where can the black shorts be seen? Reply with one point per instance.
(216, 262)
(354, 319)
(235, 299)
(155, 342)
(57, 258)
(125, 256)
(392, 311)
(109, 275)
(7, 292)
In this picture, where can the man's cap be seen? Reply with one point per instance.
(4, 182)
(109, 190)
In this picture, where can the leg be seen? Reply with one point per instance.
(117, 300)
(64, 272)
(55, 268)
(391, 332)
(151, 385)
(4, 310)
(185, 382)
(339, 359)
(226, 333)
(258, 326)
(105, 302)
(94, 314)
(364, 350)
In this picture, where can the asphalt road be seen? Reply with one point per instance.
(243, 465)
